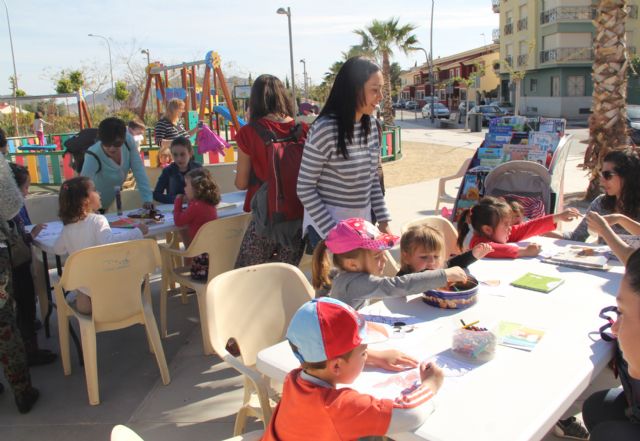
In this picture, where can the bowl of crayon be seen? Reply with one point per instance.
(454, 296)
(474, 342)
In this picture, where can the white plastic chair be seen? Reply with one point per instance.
(111, 274)
(254, 306)
(131, 200)
(444, 226)
(153, 174)
(225, 176)
(221, 238)
(42, 209)
(442, 183)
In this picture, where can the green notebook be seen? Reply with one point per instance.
(536, 282)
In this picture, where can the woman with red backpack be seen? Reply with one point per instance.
(271, 130)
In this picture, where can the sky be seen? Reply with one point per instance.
(250, 37)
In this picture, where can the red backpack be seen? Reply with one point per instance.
(278, 211)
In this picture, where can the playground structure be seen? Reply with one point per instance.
(195, 109)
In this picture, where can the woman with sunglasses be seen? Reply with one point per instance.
(614, 414)
(109, 160)
(620, 180)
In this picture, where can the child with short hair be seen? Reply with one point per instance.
(423, 248)
(358, 252)
(38, 127)
(517, 212)
(491, 222)
(164, 157)
(136, 129)
(172, 179)
(330, 339)
(202, 194)
(83, 228)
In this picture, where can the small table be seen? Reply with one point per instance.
(518, 395)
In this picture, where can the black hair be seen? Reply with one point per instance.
(626, 164)
(3, 139)
(268, 95)
(632, 271)
(20, 173)
(488, 211)
(72, 199)
(346, 95)
(112, 131)
(182, 141)
(37, 115)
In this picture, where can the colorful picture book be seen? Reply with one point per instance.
(544, 141)
(490, 156)
(519, 336)
(124, 222)
(537, 282)
(578, 256)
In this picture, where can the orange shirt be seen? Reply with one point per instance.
(308, 411)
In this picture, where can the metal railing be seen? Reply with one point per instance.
(508, 29)
(568, 13)
(567, 54)
(495, 5)
(495, 35)
(523, 24)
(523, 59)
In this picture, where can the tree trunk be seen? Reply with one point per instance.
(607, 123)
(387, 108)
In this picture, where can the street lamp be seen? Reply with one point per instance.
(113, 86)
(287, 12)
(304, 65)
(431, 62)
(146, 51)
(15, 75)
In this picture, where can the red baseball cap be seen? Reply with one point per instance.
(354, 233)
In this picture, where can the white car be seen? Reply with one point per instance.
(440, 111)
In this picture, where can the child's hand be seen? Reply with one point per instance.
(143, 227)
(481, 250)
(455, 274)
(597, 224)
(531, 250)
(148, 205)
(567, 215)
(37, 229)
(391, 360)
(431, 375)
(612, 219)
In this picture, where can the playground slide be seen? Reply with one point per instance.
(224, 111)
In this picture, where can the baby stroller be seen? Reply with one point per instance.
(527, 182)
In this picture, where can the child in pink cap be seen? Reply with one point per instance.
(330, 339)
(358, 253)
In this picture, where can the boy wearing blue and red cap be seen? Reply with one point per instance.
(330, 339)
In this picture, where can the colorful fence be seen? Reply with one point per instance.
(391, 148)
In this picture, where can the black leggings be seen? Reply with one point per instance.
(25, 296)
(603, 414)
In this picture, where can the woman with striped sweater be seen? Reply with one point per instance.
(338, 175)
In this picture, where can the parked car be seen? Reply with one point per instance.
(488, 113)
(462, 108)
(633, 122)
(506, 106)
(398, 104)
(411, 105)
(440, 111)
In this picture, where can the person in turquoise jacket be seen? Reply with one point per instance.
(109, 160)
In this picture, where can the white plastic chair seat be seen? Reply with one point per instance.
(442, 193)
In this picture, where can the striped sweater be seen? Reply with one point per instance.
(165, 130)
(327, 179)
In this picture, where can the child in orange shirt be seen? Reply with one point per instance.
(330, 339)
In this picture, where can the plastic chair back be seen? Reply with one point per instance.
(254, 305)
(444, 226)
(42, 208)
(112, 275)
(153, 173)
(225, 176)
(131, 200)
(123, 433)
(221, 238)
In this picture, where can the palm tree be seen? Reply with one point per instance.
(379, 39)
(607, 123)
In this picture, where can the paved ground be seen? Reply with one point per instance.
(204, 395)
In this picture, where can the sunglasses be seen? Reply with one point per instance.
(610, 314)
(607, 174)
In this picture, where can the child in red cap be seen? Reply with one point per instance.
(358, 252)
(330, 340)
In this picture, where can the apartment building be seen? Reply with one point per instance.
(417, 87)
(551, 41)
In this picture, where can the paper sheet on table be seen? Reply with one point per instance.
(391, 319)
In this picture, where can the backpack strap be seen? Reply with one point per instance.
(88, 152)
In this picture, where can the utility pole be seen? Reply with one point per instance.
(304, 66)
(15, 74)
(431, 62)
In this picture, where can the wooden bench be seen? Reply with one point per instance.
(452, 121)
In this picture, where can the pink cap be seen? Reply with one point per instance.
(354, 233)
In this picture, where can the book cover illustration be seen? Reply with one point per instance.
(539, 156)
(517, 152)
(537, 282)
(490, 156)
(545, 141)
(519, 336)
(581, 256)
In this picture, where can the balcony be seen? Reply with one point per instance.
(523, 60)
(568, 13)
(495, 5)
(523, 24)
(508, 29)
(496, 35)
(567, 54)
